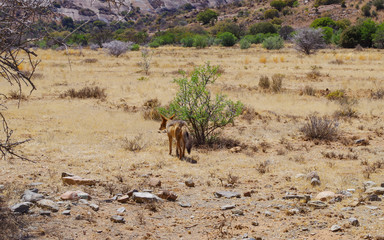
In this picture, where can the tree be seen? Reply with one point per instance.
(367, 29)
(117, 48)
(350, 37)
(227, 39)
(308, 40)
(207, 16)
(195, 104)
(262, 27)
(285, 32)
(378, 37)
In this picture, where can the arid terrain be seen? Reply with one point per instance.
(93, 138)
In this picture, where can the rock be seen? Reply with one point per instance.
(372, 207)
(267, 213)
(66, 212)
(94, 207)
(238, 212)
(373, 198)
(142, 197)
(121, 210)
(362, 142)
(184, 204)
(78, 217)
(35, 184)
(123, 199)
(354, 222)
(84, 202)
(375, 190)
(190, 183)
(293, 211)
(248, 194)
(45, 213)
(315, 182)
(369, 184)
(227, 207)
(48, 204)
(346, 193)
(227, 194)
(154, 182)
(83, 195)
(235, 149)
(323, 196)
(71, 179)
(312, 175)
(300, 175)
(379, 237)
(167, 195)
(347, 209)
(21, 207)
(30, 196)
(351, 190)
(335, 228)
(300, 197)
(317, 204)
(117, 219)
(254, 223)
(130, 193)
(74, 195)
(2, 187)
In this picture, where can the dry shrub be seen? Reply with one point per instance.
(320, 128)
(86, 92)
(277, 82)
(264, 82)
(11, 225)
(90, 60)
(249, 114)
(308, 90)
(263, 60)
(150, 109)
(133, 144)
(377, 94)
(314, 73)
(216, 143)
(263, 167)
(347, 108)
(14, 94)
(337, 61)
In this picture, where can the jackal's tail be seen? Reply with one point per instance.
(187, 139)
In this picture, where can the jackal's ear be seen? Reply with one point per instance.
(164, 118)
(172, 116)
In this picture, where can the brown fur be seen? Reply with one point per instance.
(177, 129)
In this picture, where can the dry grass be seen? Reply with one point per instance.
(93, 138)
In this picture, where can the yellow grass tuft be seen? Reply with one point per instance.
(275, 59)
(246, 60)
(263, 59)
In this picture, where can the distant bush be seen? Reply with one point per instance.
(86, 92)
(308, 40)
(346, 108)
(379, 4)
(350, 37)
(327, 2)
(200, 41)
(378, 37)
(227, 39)
(275, 42)
(366, 10)
(262, 27)
(117, 48)
(323, 22)
(154, 44)
(335, 95)
(228, 26)
(320, 128)
(264, 82)
(367, 30)
(207, 16)
(135, 47)
(286, 32)
(308, 90)
(271, 13)
(277, 82)
(278, 4)
(187, 42)
(244, 44)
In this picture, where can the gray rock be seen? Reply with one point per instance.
(307, 197)
(185, 204)
(354, 222)
(2, 187)
(227, 207)
(117, 219)
(238, 212)
(347, 209)
(373, 198)
(94, 207)
(300, 175)
(35, 184)
(121, 210)
(66, 212)
(190, 183)
(375, 190)
(48, 204)
(345, 193)
(267, 213)
(227, 194)
(294, 211)
(30, 196)
(254, 223)
(315, 182)
(369, 184)
(312, 175)
(142, 197)
(372, 207)
(83, 195)
(351, 190)
(335, 228)
(21, 207)
(317, 204)
(45, 213)
(83, 201)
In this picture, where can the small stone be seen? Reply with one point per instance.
(248, 194)
(346, 193)
(235, 149)
(305, 229)
(362, 142)
(323, 196)
(372, 207)
(373, 198)
(154, 182)
(130, 193)
(2, 187)
(121, 210)
(141, 197)
(317, 204)
(254, 223)
(293, 211)
(117, 219)
(94, 207)
(30, 196)
(335, 228)
(21, 207)
(354, 222)
(71, 179)
(227, 207)
(347, 209)
(305, 198)
(74, 195)
(123, 199)
(66, 212)
(300, 175)
(190, 183)
(267, 213)
(78, 217)
(369, 184)
(313, 175)
(315, 182)
(45, 213)
(35, 184)
(238, 212)
(375, 190)
(351, 190)
(84, 202)
(227, 194)
(184, 204)
(167, 195)
(48, 204)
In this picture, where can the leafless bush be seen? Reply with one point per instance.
(11, 225)
(308, 90)
(277, 82)
(90, 60)
(264, 82)
(133, 144)
(249, 114)
(146, 58)
(346, 108)
(17, 95)
(263, 167)
(86, 92)
(377, 94)
(117, 48)
(308, 40)
(320, 128)
(94, 47)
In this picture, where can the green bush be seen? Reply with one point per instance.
(200, 41)
(228, 26)
(323, 22)
(227, 39)
(244, 43)
(135, 47)
(154, 44)
(367, 29)
(275, 42)
(327, 34)
(378, 37)
(327, 2)
(194, 104)
(350, 37)
(207, 16)
(366, 10)
(278, 4)
(335, 95)
(271, 13)
(262, 27)
(187, 42)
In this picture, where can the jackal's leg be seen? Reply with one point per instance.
(170, 144)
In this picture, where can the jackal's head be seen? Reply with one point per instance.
(164, 121)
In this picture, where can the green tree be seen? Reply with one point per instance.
(378, 37)
(271, 13)
(367, 29)
(278, 4)
(350, 37)
(274, 42)
(67, 22)
(207, 16)
(195, 104)
(227, 39)
(262, 27)
(323, 22)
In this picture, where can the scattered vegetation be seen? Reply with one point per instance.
(134, 144)
(86, 92)
(309, 40)
(117, 48)
(320, 128)
(264, 82)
